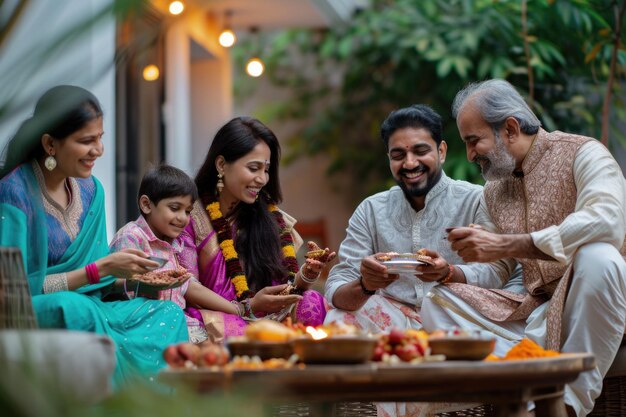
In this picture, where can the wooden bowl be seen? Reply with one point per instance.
(264, 350)
(461, 348)
(337, 349)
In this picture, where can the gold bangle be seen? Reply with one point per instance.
(448, 277)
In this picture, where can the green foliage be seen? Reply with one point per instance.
(345, 81)
(26, 392)
(29, 63)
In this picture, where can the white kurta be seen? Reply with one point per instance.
(595, 311)
(386, 222)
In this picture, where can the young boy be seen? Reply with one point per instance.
(166, 196)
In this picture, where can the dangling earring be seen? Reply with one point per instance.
(220, 183)
(50, 163)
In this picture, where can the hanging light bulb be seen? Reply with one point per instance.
(176, 7)
(255, 67)
(227, 37)
(151, 72)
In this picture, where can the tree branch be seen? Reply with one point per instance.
(531, 82)
(606, 107)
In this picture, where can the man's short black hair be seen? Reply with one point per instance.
(416, 116)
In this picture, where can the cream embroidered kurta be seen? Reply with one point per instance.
(596, 198)
(595, 312)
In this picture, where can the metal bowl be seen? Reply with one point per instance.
(264, 350)
(337, 349)
(462, 348)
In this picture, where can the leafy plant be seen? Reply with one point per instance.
(344, 81)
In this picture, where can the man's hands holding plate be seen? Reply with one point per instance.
(427, 265)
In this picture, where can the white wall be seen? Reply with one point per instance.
(198, 97)
(211, 99)
(33, 60)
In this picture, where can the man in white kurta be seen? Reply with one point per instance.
(586, 243)
(404, 219)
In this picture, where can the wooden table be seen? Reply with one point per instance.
(508, 385)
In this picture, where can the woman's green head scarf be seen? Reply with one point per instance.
(61, 111)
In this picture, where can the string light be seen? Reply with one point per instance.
(176, 7)
(151, 72)
(227, 38)
(255, 67)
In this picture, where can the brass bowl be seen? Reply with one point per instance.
(461, 348)
(337, 349)
(264, 350)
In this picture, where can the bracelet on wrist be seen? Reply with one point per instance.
(247, 309)
(306, 279)
(93, 275)
(365, 290)
(448, 277)
(239, 307)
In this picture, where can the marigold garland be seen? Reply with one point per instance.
(234, 270)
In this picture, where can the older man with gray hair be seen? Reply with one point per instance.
(556, 203)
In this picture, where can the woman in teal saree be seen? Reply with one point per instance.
(52, 208)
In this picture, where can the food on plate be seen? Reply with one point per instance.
(170, 277)
(252, 363)
(386, 256)
(269, 331)
(189, 355)
(402, 346)
(418, 256)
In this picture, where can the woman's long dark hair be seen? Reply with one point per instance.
(258, 240)
(59, 112)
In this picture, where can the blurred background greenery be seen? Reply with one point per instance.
(345, 80)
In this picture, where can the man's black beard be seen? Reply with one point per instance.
(431, 181)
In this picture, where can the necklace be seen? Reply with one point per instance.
(234, 271)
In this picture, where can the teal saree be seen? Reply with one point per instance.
(141, 328)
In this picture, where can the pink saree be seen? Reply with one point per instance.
(203, 258)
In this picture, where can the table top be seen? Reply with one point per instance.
(429, 381)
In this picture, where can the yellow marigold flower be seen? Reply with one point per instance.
(272, 207)
(289, 251)
(228, 249)
(214, 210)
(239, 281)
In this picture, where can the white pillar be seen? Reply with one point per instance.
(177, 112)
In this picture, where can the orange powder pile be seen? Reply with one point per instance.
(525, 349)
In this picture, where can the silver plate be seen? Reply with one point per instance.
(400, 265)
(161, 261)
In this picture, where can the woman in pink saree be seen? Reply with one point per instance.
(239, 243)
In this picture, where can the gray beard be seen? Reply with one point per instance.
(501, 164)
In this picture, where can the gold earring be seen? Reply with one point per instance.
(220, 183)
(50, 163)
